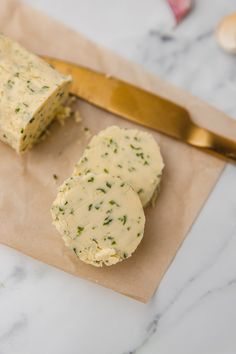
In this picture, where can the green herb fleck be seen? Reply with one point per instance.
(140, 190)
(45, 87)
(115, 151)
(112, 202)
(135, 147)
(86, 129)
(113, 243)
(123, 219)
(108, 184)
(107, 221)
(61, 209)
(122, 184)
(31, 120)
(90, 207)
(22, 131)
(128, 228)
(66, 202)
(74, 249)
(120, 166)
(79, 230)
(146, 163)
(17, 109)
(125, 255)
(91, 179)
(55, 176)
(101, 190)
(72, 211)
(139, 234)
(10, 83)
(85, 159)
(17, 74)
(105, 170)
(140, 154)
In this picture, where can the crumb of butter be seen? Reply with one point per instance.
(77, 117)
(64, 113)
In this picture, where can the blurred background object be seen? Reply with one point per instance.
(226, 33)
(180, 8)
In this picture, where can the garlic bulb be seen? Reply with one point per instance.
(226, 33)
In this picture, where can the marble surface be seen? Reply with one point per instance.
(43, 310)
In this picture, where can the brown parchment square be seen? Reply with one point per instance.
(27, 186)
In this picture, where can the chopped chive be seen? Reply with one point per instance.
(112, 202)
(79, 230)
(108, 184)
(90, 206)
(123, 219)
(91, 179)
(107, 220)
(135, 147)
(17, 109)
(101, 189)
(105, 170)
(113, 243)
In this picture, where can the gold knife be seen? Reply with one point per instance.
(143, 107)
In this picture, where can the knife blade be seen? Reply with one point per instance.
(143, 107)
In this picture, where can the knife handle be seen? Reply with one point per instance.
(213, 143)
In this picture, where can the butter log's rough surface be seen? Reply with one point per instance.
(130, 154)
(31, 93)
(100, 217)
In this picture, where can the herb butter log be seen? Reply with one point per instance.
(100, 217)
(130, 154)
(32, 93)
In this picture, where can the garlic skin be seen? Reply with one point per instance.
(226, 33)
(180, 8)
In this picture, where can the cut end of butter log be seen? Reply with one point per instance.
(32, 92)
(100, 217)
(130, 154)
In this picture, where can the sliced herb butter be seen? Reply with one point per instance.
(32, 92)
(130, 154)
(100, 217)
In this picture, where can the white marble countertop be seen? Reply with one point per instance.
(43, 310)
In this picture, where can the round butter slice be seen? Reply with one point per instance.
(100, 217)
(130, 154)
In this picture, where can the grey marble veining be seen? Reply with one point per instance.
(43, 310)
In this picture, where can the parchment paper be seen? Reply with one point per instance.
(27, 186)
